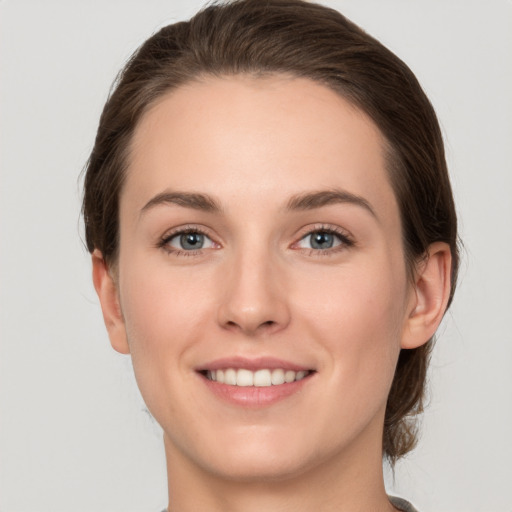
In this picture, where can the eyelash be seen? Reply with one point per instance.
(164, 241)
(346, 240)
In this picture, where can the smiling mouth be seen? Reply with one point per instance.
(260, 378)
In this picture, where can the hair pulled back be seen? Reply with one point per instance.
(305, 40)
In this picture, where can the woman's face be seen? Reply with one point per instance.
(260, 243)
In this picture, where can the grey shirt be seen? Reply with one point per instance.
(402, 504)
(399, 503)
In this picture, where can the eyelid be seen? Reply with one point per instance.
(181, 230)
(346, 238)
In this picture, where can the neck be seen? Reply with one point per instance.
(349, 481)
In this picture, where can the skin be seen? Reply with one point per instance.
(258, 288)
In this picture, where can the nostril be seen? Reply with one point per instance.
(263, 326)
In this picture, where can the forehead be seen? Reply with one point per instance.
(260, 136)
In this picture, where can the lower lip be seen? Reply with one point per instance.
(254, 396)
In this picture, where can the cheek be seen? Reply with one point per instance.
(357, 317)
(165, 316)
(164, 312)
(161, 307)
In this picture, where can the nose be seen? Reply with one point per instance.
(254, 299)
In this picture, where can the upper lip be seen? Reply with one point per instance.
(252, 364)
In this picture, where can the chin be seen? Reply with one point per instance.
(257, 456)
(266, 468)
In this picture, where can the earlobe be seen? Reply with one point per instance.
(106, 289)
(432, 291)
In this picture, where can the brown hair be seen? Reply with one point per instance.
(302, 39)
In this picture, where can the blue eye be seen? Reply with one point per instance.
(323, 240)
(189, 241)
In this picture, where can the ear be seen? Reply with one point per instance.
(429, 297)
(106, 289)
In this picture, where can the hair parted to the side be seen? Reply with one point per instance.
(306, 40)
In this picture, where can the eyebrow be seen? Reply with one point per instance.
(307, 201)
(312, 200)
(192, 200)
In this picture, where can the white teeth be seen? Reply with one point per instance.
(289, 376)
(259, 378)
(244, 378)
(277, 377)
(300, 375)
(230, 377)
(262, 378)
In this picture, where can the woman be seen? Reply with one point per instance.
(274, 243)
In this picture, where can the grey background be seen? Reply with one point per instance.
(74, 434)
